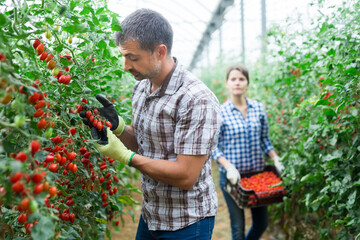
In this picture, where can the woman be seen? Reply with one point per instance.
(243, 138)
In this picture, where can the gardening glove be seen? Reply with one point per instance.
(278, 164)
(108, 111)
(110, 146)
(232, 174)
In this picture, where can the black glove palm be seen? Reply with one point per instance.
(99, 135)
(108, 111)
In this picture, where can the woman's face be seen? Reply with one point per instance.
(237, 84)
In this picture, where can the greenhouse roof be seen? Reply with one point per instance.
(192, 19)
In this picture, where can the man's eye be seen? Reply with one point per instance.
(133, 59)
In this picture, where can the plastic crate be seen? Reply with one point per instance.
(248, 198)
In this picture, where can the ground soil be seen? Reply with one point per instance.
(221, 231)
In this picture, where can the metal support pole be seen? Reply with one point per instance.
(220, 43)
(242, 31)
(263, 27)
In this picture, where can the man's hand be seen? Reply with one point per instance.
(278, 164)
(108, 111)
(110, 146)
(232, 174)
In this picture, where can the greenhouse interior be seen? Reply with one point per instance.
(103, 103)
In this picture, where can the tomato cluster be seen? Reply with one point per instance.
(51, 174)
(262, 182)
(51, 64)
(27, 185)
(53, 181)
(95, 120)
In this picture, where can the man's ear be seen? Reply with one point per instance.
(161, 51)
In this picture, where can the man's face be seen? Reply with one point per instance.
(140, 63)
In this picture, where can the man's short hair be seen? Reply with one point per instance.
(150, 28)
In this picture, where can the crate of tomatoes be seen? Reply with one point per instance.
(258, 188)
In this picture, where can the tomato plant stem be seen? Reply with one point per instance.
(12, 125)
(15, 21)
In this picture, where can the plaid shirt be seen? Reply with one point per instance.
(181, 117)
(242, 140)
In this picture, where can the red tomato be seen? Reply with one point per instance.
(25, 203)
(28, 226)
(82, 150)
(41, 124)
(116, 179)
(99, 126)
(46, 186)
(21, 156)
(43, 56)
(101, 179)
(52, 191)
(36, 43)
(49, 57)
(38, 113)
(72, 131)
(15, 177)
(107, 123)
(49, 158)
(104, 197)
(17, 187)
(69, 202)
(53, 167)
(88, 114)
(39, 104)
(37, 178)
(22, 218)
(38, 188)
(71, 156)
(35, 146)
(40, 49)
(51, 64)
(74, 168)
(72, 217)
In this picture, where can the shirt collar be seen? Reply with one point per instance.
(249, 103)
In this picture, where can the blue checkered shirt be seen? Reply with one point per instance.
(242, 141)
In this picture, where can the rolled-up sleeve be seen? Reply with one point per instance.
(217, 153)
(265, 142)
(198, 127)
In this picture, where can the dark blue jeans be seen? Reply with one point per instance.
(201, 230)
(237, 217)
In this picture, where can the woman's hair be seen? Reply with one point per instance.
(239, 68)
(150, 28)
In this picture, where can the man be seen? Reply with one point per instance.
(175, 126)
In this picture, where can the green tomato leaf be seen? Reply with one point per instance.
(100, 10)
(335, 155)
(351, 199)
(43, 229)
(41, 155)
(69, 234)
(3, 19)
(102, 44)
(49, 20)
(95, 21)
(76, 28)
(329, 112)
(86, 10)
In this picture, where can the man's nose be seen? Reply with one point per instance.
(127, 65)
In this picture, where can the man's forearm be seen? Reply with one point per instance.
(182, 173)
(128, 138)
